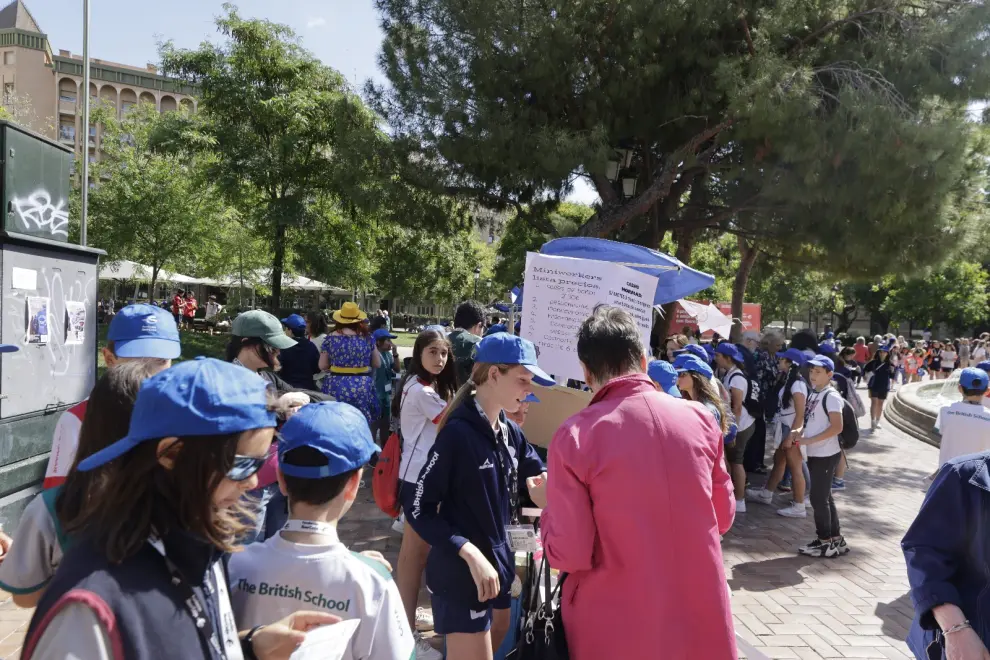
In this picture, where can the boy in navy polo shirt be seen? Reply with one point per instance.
(322, 451)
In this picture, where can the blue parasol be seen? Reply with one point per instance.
(675, 279)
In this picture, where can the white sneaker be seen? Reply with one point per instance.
(761, 495)
(424, 619)
(807, 502)
(795, 510)
(398, 526)
(426, 652)
(740, 506)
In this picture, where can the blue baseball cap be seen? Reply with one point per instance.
(973, 378)
(729, 350)
(503, 348)
(691, 363)
(9, 348)
(495, 329)
(696, 351)
(826, 349)
(794, 355)
(294, 322)
(985, 365)
(337, 430)
(710, 350)
(531, 399)
(144, 331)
(383, 333)
(199, 397)
(822, 361)
(663, 374)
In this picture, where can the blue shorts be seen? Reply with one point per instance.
(407, 493)
(450, 617)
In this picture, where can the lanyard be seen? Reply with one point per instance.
(509, 470)
(810, 408)
(231, 649)
(310, 527)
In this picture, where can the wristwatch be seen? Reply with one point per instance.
(247, 644)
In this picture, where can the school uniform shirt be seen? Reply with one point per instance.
(65, 442)
(271, 580)
(736, 380)
(964, 429)
(948, 359)
(421, 409)
(819, 405)
(463, 495)
(31, 562)
(786, 415)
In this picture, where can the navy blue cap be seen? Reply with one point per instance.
(886, 347)
(144, 331)
(9, 348)
(663, 374)
(199, 397)
(495, 329)
(985, 365)
(794, 355)
(503, 348)
(692, 363)
(822, 361)
(973, 378)
(729, 350)
(695, 350)
(383, 333)
(337, 430)
(531, 399)
(826, 349)
(294, 322)
(710, 350)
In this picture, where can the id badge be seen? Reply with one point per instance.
(522, 538)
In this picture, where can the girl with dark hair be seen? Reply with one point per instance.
(881, 375)
(787, 427)
(316, 327)
(429, 384)
(41, 537)
(146, 569)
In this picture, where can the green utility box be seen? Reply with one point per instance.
(47, 310)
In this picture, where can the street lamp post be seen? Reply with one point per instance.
(85, 126)
(477, 276)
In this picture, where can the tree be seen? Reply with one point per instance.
(154, 208)
(520, 237)
(798, 127)
(955, 295)
(286, 129)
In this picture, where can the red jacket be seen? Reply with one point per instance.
(638, 495)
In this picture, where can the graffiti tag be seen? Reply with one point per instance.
(37, 211)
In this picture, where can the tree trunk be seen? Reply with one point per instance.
(278, 264)
(747, 257)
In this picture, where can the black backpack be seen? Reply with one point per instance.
(751, 401)
(849, 435)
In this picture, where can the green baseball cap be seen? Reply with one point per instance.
(259, 323)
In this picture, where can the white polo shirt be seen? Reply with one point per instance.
(819, 405)
(965, 429)
(421, 410)
(736, 380)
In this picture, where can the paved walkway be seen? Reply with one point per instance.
(785, 605)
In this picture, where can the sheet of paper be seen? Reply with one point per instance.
(327, 642)
(560, 294)
(23, 278)
(75, 333)
(38, 320)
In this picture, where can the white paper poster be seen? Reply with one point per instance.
(560, 294)
(327, 642)
(23, 278)
(38, 320)
(75, 332)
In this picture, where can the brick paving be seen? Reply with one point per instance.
(785, 605)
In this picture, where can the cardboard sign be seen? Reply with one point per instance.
(555, 406)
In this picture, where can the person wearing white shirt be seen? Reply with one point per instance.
(731, 362)
(964, 426)
(820, 441)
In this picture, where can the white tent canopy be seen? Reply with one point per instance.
(131, 271)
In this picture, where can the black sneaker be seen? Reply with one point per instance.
(841, 546)
(819, 548)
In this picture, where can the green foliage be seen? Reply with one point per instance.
(955, 295)
(154, 208)
(520, 237)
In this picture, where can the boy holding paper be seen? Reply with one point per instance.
(322, 451)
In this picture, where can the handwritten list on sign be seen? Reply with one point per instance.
(559, 295)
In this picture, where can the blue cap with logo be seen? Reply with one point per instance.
(822, 361)
(663, 374)
(495, 329)
(985, 365)
(695, 350)
(503, 348)
(144, 331)
(826, 348)
(383, 333)
(531, 399)
(337, 430)
(729, 350)
(200, 397)
(794, 355)
(974, 378)
(294, 322)
(692, 363)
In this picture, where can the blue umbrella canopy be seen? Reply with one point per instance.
(675, 280)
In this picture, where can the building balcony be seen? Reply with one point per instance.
(67, 108)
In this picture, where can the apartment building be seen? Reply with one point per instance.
(44, 89)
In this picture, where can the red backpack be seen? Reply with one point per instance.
(385, 481)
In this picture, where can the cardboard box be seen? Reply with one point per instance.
(555, 406)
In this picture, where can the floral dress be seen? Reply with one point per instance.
(351, 352)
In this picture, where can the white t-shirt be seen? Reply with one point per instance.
(318, 341)
(786, 415)
(212, 309)
(948, 358)
(421, 410)
(965, 429)
(819, 405)
(979, 354)
(274, 579)
(736, 380)
(37, 552)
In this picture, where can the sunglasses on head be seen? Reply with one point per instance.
(245, 467)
